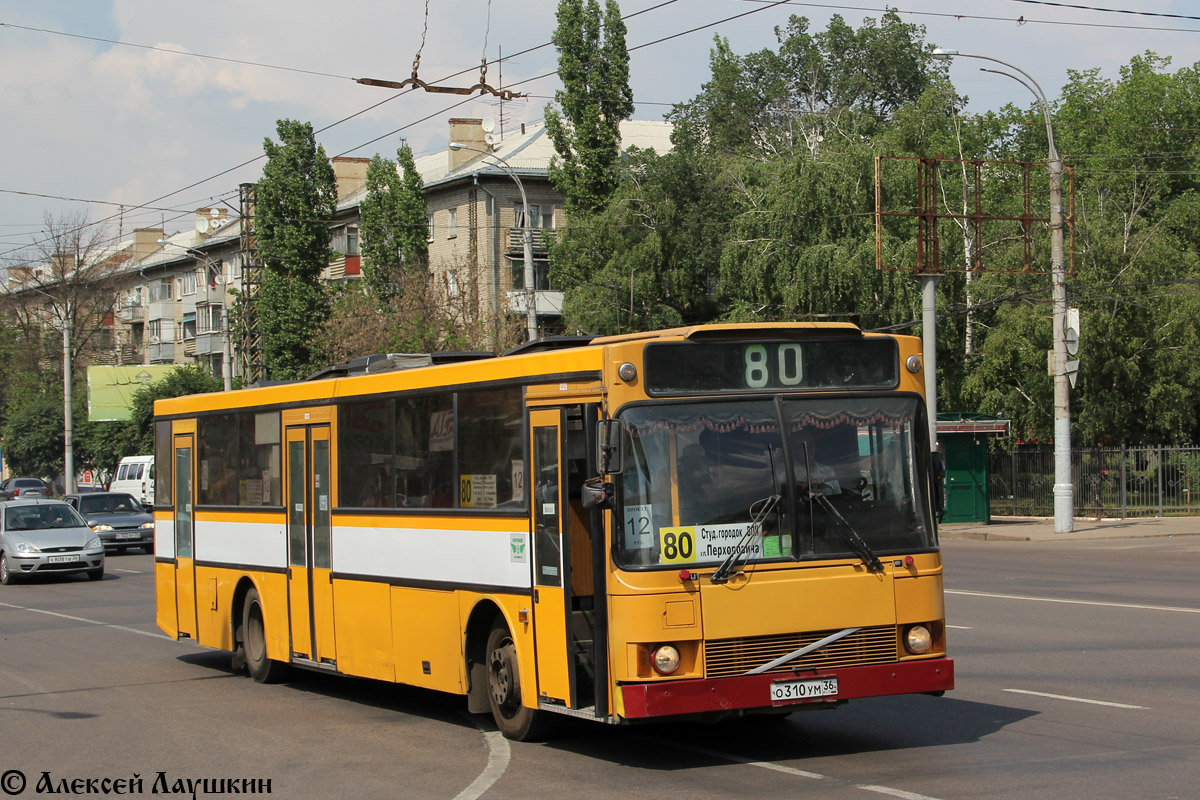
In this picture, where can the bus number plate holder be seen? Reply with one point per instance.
(808, 689)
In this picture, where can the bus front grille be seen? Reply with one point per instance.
(726, 658)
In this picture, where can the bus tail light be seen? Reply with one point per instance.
(918, 639)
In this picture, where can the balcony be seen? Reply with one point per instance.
(209, 342)
(162, 353)
(161, 309)
(211, 295)
(130, 314)
(541, 241)
(131, 354)
(546, 303)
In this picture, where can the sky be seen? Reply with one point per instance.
(138, 112)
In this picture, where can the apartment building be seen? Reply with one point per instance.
(172, 296)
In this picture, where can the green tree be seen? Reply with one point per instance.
(33, 437)
(652, 253)
(296, 198)
(1136, 266)
(839, 82)
(593, 64)
(179, 382)
(393, 224)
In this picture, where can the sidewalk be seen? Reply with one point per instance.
(1041, 529)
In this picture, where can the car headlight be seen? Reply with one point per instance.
(918, 639)
(147, 526)
(100, 526)
(25, 547)
(93, 543)
(665, 659)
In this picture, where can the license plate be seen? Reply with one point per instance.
(61, 559)
(790, 691)
(128, 536)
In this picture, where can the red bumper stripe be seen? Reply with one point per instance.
(666, 698)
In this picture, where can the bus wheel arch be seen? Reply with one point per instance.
(483, 617)
(237, 610)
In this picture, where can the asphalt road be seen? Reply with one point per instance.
(1078, 669)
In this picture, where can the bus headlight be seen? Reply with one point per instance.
(665, 659)
(918, 640)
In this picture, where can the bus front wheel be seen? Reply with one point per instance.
(262, 669)
(514, 719)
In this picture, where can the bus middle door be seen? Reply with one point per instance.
(308, 498)
(185, 536)
(550, 560)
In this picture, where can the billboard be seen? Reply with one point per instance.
(111, 389)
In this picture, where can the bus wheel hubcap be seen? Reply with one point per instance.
(501, 677)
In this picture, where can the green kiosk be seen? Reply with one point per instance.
(963, 438)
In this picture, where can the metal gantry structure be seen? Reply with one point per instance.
(250, 341)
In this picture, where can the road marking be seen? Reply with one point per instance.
(1076, 602)
(498, 755)
(89, 621)
(800, 773)
(1076, 699)
(959, 627)
(895, 792)
(130, 571)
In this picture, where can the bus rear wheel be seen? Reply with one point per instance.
(514, 719)
(262, 669)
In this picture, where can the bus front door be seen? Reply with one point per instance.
(185, 538)
(310, 583)
(551, 594)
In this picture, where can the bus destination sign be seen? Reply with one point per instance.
(676, 368)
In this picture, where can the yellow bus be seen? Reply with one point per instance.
(703, 521)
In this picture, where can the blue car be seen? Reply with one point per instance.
(120, 519)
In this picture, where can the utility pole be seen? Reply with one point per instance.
(1064, 485)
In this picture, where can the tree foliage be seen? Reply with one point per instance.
(295, 200)
(393, 225)
(764, 210)
(593, 64)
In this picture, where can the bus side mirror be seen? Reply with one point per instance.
(609, 451)
(938, 462)
(596, 493)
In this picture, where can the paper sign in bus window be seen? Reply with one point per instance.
(691, 543)
(638, 531)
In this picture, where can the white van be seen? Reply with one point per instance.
(135, 475)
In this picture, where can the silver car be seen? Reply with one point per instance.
(39, 537)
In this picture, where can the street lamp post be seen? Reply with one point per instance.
(1064, 487)
(226, 366)
(527, 236)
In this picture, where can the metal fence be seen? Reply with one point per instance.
(1117, 482)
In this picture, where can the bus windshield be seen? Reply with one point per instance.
(844, 472)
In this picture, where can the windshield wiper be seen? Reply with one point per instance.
(736, 560)
(848, 533)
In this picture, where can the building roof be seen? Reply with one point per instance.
(526, 153)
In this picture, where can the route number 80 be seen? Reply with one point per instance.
(788, 370)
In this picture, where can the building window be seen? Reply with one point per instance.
(161, 290)
(542, 216)
(345, 240)
(452, 224)
(209, 320)
(429, 235)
